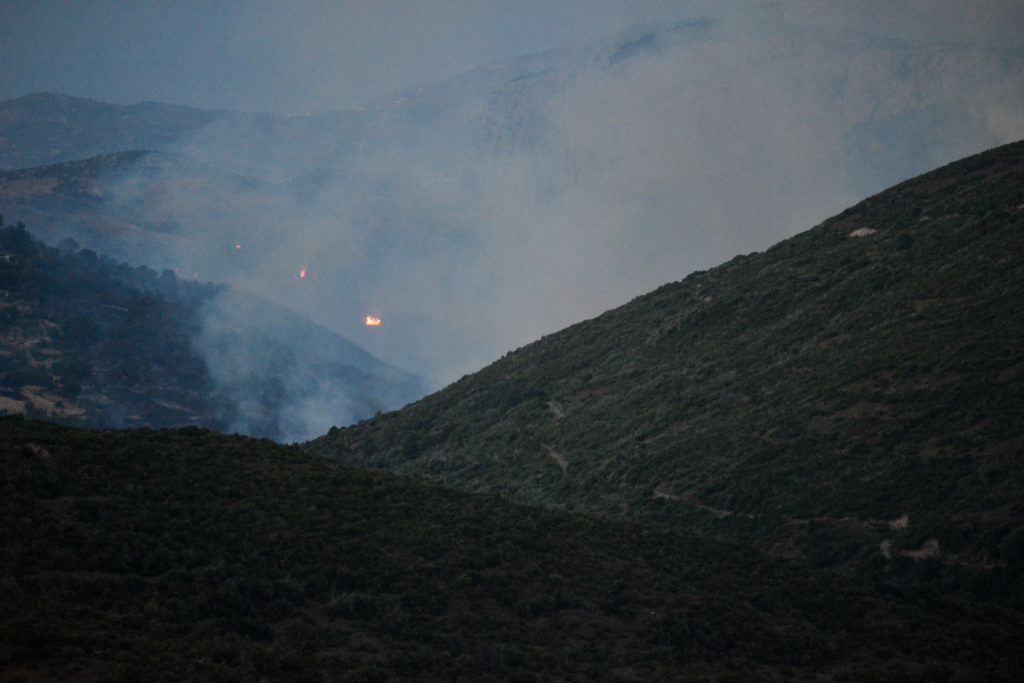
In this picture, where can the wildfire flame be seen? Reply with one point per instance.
(370, 320)
(302, 273)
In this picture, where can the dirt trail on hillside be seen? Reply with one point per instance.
(557, 457)
(717, 513)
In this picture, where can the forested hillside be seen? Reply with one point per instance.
(184, 554)
(91, 341)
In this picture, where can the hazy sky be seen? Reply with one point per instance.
(303, 57)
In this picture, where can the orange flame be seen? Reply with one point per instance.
(302, 273)
(370, 320)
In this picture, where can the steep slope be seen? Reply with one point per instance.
(172, 555)
(852, 396)
(87, 340)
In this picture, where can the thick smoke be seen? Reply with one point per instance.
(283, 377)
(475, 215)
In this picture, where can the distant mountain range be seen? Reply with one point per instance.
(850, 397)
(874, 91)
(49, 128)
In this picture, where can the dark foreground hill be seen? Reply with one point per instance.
(89, 341)
(172, 555)
(851, 396)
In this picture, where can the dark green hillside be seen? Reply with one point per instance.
(185, 554)
(852, 396)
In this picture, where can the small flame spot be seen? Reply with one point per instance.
(302, 273)
(372, 321)
(238, 246)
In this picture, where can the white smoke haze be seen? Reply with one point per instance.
(476, 215)
(289, 379)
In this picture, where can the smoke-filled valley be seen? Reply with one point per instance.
(478, 213)
(92, 342)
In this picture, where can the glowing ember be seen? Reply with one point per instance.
(238, 246)
(302, 273)
(370, 320)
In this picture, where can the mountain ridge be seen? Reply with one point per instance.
(847, 396)
(45, 128)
